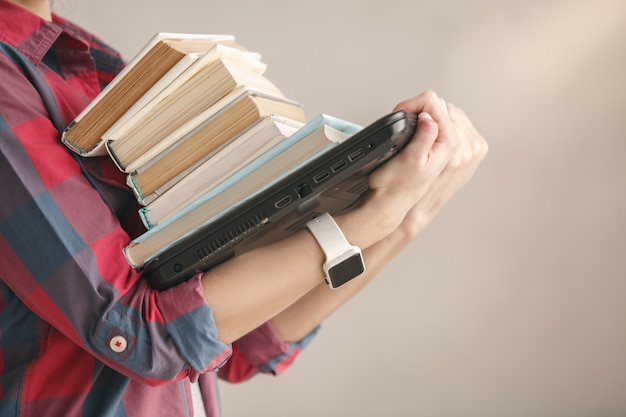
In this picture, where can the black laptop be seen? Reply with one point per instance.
(330, 183)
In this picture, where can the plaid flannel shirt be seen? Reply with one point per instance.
(81, 334)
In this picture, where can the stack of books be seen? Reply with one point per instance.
(196, 126)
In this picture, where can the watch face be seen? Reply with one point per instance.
(346, 270)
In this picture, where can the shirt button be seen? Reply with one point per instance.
(118, 344)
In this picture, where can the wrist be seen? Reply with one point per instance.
(369, 222)
(344, 261)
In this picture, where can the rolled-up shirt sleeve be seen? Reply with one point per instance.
(262, 351)
(61, 253)
(176, 336)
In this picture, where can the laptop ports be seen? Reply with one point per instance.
(283, 202)
(321, 177)
(338, 166)
(356, 155)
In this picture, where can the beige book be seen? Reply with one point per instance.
(213, 128)
(168, 85)
(165, 55)
(239, 152)
(151, 129)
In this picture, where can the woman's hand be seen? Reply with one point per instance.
(398, 185)
(471, 150)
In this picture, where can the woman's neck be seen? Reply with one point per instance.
(38, 7)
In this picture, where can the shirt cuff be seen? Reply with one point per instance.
(189, 320)
(264, 349)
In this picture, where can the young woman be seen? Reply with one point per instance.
(81, 334)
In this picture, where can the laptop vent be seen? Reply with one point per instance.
(230, 238)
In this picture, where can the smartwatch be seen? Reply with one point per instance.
(343, 260)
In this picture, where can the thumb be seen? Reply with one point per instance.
(425, 136)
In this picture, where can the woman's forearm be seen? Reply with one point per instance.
(252, 288)
(283, 281)
(306, 313)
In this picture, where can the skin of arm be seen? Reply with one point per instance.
(405, 194)
(306, 313)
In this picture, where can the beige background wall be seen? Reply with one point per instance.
(513, 303)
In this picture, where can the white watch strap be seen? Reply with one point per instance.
(328, 235)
